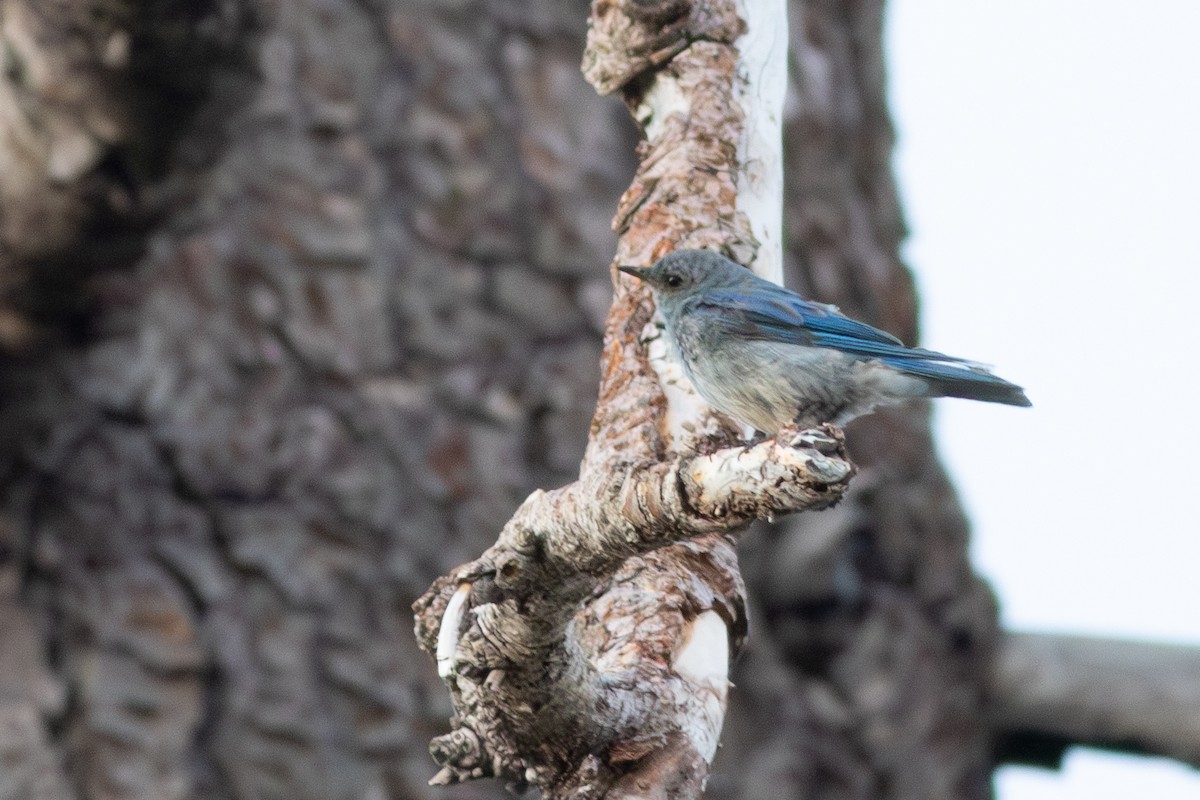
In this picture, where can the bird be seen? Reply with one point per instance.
(768, 358)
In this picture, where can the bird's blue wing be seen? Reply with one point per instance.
(772, 313)
(775, 314)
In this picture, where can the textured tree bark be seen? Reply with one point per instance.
(350, 320)
(574, 663)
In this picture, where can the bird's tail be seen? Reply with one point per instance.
(966, 379)
(987, 388)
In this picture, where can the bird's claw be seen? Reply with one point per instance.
(826, 439)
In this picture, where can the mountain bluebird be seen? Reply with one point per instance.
(767, 357)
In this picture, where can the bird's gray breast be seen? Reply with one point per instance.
(768, 384)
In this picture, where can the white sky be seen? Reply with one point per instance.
(1050, 166)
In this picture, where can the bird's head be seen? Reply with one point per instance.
(685, 271)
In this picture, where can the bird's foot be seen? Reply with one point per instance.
(727, 439)
(827, 438)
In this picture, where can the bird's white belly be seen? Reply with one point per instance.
(769, 385)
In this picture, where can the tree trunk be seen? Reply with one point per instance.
(310, 301)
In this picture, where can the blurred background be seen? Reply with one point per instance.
(299, 300)
(1049, 171)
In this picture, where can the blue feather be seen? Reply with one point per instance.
(768, 358)
(777, 315)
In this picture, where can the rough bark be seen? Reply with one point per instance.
(574, 695)
(361, 325)
(351, 320)
(572, 661)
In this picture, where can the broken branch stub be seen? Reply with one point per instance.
(587, 651)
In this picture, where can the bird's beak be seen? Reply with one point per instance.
(637, 272)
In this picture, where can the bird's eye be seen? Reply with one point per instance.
(674, 281)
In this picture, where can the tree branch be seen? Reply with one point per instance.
(587, 651)
(510, 633)
(1054, 691)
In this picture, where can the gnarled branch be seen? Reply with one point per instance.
(587, 651)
